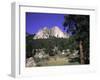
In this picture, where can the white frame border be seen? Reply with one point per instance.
(17, 61)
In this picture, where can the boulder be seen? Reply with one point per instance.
(30, 62)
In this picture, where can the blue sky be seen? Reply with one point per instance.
(36, 21)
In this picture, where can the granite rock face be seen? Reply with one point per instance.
(53, 32)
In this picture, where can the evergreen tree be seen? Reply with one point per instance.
(78, 27)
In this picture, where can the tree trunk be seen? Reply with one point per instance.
(81, 52)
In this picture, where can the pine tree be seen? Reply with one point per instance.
(78, 27)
